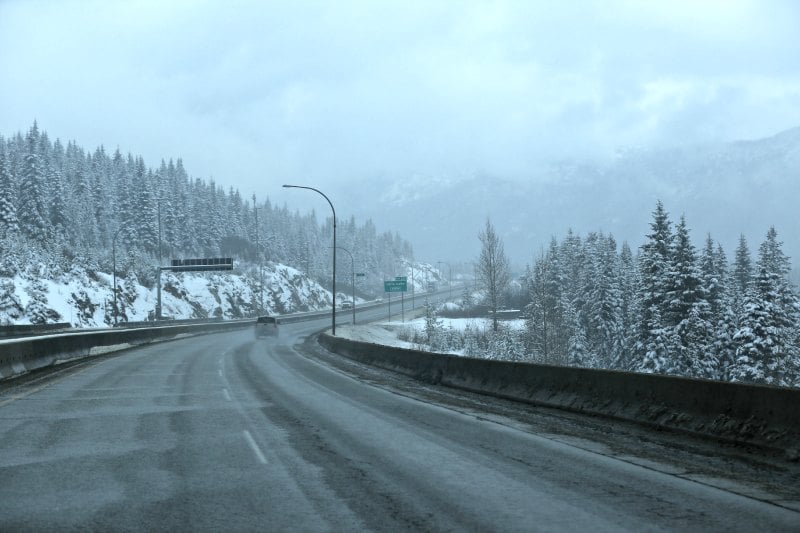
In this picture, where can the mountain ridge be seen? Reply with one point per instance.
(727, 189)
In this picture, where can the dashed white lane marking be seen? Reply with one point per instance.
(225, 393)
(256, 450)
(221, 364)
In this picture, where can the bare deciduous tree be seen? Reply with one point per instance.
(494, 273)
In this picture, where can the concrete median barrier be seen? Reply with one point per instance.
(768, 417)
(19, 356)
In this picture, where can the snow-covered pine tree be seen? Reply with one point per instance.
(505, 345)
(103, 206)
(688, 313)
(433, 326)
(546, 333)
(471, 346)
(627, 286)
(36, 309)
(766, 338)
(724, 342)
(58, 209)
(31, 209)
(579, 352)
(81, 205)
(602, 303)
(8, 197)
(10, 307)
(718, 290)
(713, 266)
(147, 207)
(742, 268)
(571, 268)
(652, 333)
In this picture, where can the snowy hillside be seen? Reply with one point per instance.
(86, 299)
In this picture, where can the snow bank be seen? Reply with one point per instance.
(384, 334)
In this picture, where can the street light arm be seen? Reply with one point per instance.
(333, 291)
(318, 192)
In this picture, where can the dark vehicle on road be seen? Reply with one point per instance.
(266, 326)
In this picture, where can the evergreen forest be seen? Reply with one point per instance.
(669, 308)
(63, 206)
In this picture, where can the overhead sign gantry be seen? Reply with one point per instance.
(201, 265)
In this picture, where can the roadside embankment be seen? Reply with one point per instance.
(768, 417)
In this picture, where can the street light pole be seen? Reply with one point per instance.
(114, 261)
(260, 259)
(333, 307)
(353, 266)
(158, 292)
(450, 282)
(412, 285)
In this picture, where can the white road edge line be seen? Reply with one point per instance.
(256, 450)
(225, 393)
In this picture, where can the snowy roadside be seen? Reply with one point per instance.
(392, 333)
(385, 334)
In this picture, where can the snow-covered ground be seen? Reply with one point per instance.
(87, 300)
(389, 333)
(384, 334)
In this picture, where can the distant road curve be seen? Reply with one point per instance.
(223, 432)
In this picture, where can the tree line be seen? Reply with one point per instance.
(63, 205)
(670, 308)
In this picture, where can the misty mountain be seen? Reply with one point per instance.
(725, 189)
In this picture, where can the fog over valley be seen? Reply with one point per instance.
(725, 189)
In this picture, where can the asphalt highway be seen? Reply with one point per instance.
(228, 433)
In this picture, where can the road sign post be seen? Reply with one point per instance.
(398, 284)
(402, 298)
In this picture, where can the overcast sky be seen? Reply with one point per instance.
(255, 94)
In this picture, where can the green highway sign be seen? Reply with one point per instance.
(400, 278)
(395, 286)
(360, 274)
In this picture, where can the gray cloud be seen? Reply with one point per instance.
(256, 94)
